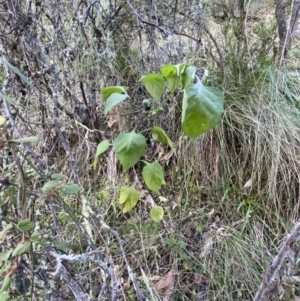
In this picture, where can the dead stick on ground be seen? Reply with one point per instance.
(286, 253)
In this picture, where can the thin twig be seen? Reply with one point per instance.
(140, 295)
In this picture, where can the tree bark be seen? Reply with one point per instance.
(295, 20)
(287, 34)
(280, 14)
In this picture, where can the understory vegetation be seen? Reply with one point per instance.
(111, 187)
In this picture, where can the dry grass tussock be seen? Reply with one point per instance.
(243, 179)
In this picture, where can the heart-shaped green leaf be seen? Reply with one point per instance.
(50, 185)
(129, 197)
(188, 76)
(157, 213)
(177, 75)
(153, 176)
(154, 84)
(58, 176)
(101, 148)
(202, 109)
(129, 148)
(106, 92)
(172, 74)
(113, 100)
(69, 189)
(25, 225)
(161, 136)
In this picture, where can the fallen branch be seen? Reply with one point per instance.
(287, 256)
(65, 275)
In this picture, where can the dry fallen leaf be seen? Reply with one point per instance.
(211, 212)
(168, 155)
(111, 120)
(166, 284)
(150, 201)
(200, 279)
(247, 185)
(160, 151)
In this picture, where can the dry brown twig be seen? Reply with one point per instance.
(287, 256)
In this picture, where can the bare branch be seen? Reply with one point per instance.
(286, 253)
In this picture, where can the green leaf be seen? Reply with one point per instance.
(173, 75)
(188, 76)
(101, 148)
(32, 139)
(106, 92)
(13, 195)
(5, 266)
(205, 77)
(162, 199)
(129, 148)
(25, 225)
(154, 84)
(35, 237)
(62, 245)
(153, 176)
(160, 135)
(58, 176)
(113, 100)
(129, 197)
(10, 101)
(157, 213)
(3, 200)
(170, 73)
(69, 189)
(202, 109)
(6, 256)
(21, 248)
(4, 232)
(6, 284)
(17, 71)
(4, 296)
(6, 195)
(50, 185)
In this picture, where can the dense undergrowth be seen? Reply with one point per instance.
(230, 197)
